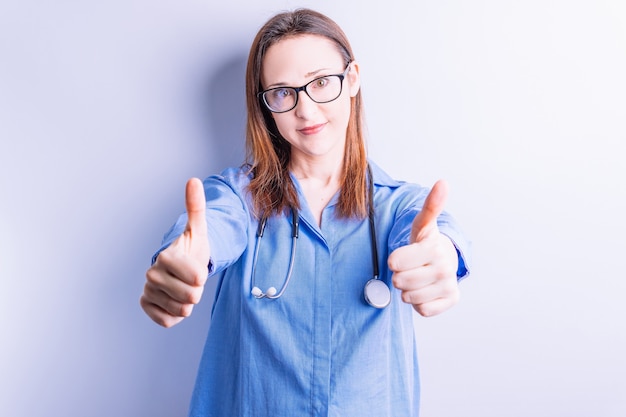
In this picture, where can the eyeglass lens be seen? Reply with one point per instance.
(320, 90)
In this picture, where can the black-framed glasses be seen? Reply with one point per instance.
(321, 90)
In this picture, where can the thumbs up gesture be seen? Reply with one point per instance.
(425, 269)
(175, 282)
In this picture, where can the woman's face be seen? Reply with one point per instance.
(314, 130)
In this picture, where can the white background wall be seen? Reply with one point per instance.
(106, 108)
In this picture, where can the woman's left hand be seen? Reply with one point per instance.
(425, 270)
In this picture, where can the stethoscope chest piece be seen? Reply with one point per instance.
(377, 293)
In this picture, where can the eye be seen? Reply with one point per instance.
(321, 82)
(281, 93)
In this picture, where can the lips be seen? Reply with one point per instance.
(311, 130)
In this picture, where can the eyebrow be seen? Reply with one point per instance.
(307, 75)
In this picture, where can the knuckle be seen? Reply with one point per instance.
(426, 312)
(419, 308)
(396, 281)
(149, 297)
(160, 320)
(176, 309)
(426, 309)
(199, 277)
(442, 274)
(195, 295)
(185, 310)
(159, 317)
(144, 303)
(396, 258)
(189, 295)
(160, 311)
(152, 275)
(165, 257)
(167, 321)
(446, 273)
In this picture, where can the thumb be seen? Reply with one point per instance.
(195, 203)
(426, 219)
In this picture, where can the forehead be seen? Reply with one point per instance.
(291, 59)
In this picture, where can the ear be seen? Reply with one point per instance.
(354, 78)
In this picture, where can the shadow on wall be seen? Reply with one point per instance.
(223, 110)
(227, 113)
(165, 361)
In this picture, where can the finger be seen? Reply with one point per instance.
(157, 314)
(165, 302)
(426, 219)
(437, 306)
(414, 255)
(179, 265)
(195, 203)
(428, 293)
(186, 286)
(413, 279)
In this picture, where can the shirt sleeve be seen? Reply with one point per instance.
(227, 224)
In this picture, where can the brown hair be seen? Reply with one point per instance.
(268, 153)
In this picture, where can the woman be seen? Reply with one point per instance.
(292, 332)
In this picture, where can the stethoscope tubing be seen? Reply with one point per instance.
(295, 227)
(375, 292)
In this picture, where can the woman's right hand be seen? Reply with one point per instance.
(175, 282)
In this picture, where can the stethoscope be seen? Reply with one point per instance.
(375, 292)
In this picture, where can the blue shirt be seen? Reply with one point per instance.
(320, 349)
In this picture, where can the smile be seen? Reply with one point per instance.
(311, 130)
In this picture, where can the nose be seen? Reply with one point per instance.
(305, 105)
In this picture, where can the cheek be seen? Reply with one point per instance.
(283, 124)
(341, 112)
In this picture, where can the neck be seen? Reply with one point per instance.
(320, 179)
(323, 170)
